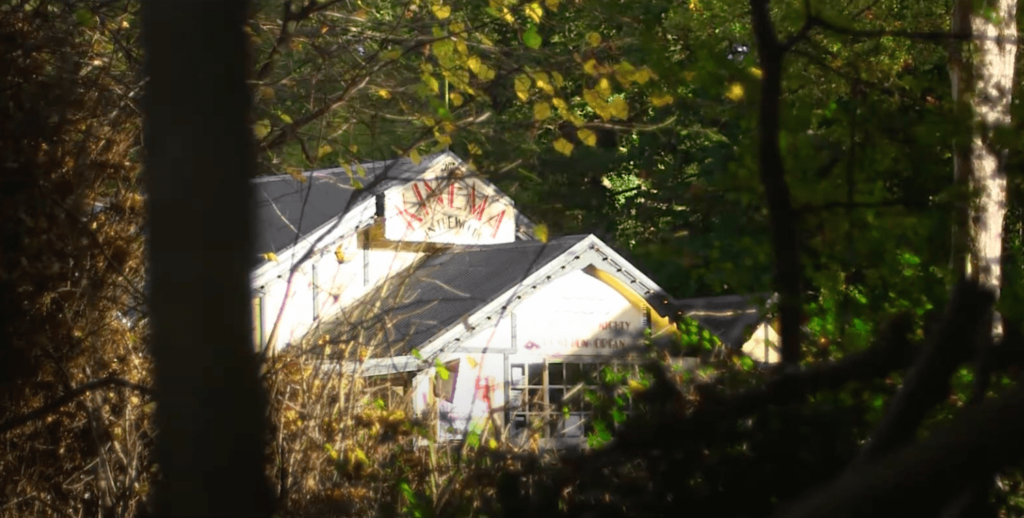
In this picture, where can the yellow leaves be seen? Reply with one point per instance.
(563, 146)
(522, 86)
(296, 173)
(543, 82)
(591, 67)
(339, 254)
(331, 452)
(541, 111)
(594, 39)
(540, 231)
(478, 67)
(391, 55)
(559, 103)
(619, 108)
(660, 99)
(415, 157)
(486, 73)
(735, 92)
(534, 11)
(557, 79)
(635, 386)
(324, 150)
(270, 256)
(384, 93)
(285, 118)
(441, 11)
(597, 103)
(502, 11)
(461, 47)
(443, 139)
(443, 50)
(626, 73)
(588, 137)
(456, 98)
(643, 75)
(353, 148)
(474, 149)
(604, 87)
(756, 72)
(431, 83)
(261, 128)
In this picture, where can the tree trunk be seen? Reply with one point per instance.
(199, 157)
(982, 80)
(981, 73)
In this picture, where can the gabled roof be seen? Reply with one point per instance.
(287, 209)
(436, 294)
(729, 317)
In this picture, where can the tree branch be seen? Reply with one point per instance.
(891, 352)
(782, 216)
(979, 442)
(927, 383)
(61, 402)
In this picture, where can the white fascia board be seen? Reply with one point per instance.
(571, 260)
(590, 250)
(325, 235)
(611, 262)
(383, 366)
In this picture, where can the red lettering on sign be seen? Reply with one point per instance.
(497, 225)
(438, 198)
(476, 210)
(484, 388)
(419, 197)
(408, 217)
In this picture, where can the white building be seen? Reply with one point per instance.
(428, 269)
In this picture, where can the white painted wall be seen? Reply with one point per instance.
(576, 315)
(763, 339)
(338, 284)
(298, 312)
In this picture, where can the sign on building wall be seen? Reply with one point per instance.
(472, 393)
(577, 315)
(448, 207)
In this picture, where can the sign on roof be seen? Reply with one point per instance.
(448, 205)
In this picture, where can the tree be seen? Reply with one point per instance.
(982, 72)
(199, 156)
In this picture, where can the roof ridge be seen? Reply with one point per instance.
(424, 162)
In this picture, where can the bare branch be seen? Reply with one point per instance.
(61, 402)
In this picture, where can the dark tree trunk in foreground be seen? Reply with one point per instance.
(199, 157)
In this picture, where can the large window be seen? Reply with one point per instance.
(549, 398)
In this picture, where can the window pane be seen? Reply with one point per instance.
(536, 400)
(518, 374)
(573, 426)
(536, 374)
(555, 374)
(555, 398)
(573, 373)
(574, 399)
(519, 423)
(515, 398)
(590, 372)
